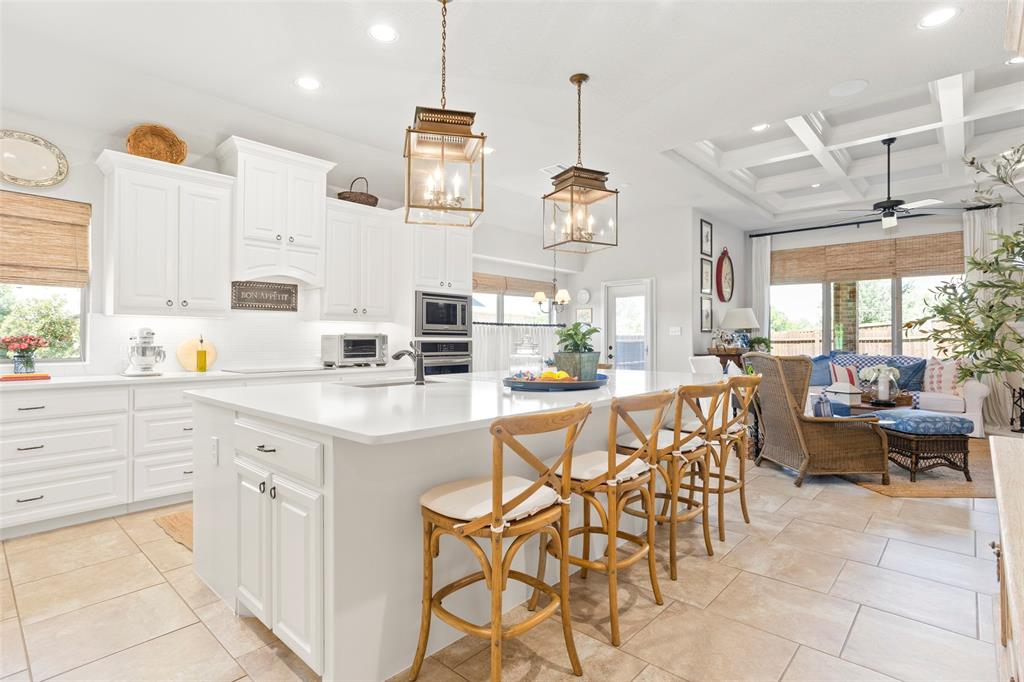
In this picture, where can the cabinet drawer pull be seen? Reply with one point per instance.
(364, 311)
(449, 285)
(263, 487)
(355, 310)
(264, 448)
(30, 499)
(36, 407)
(273, 492)
(187, 472)
(441, 283)
(34, 447)
(187, 428)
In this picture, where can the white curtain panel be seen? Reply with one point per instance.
(979, 229)
(493, 345)
(761, 281)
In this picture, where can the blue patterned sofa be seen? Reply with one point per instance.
(911, 379)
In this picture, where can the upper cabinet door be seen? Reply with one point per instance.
(147, 234)
(297, 551)
(459, 260)
(264, 198)
(204, 249)
(375, 284)
(306, 201)
(429, 271)
(341, 286)
(254, 540)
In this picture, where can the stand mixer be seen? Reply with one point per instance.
(143, 355)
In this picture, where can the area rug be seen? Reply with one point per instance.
(938, 482)
(178, 525)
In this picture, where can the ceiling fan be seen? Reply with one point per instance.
(889, 208)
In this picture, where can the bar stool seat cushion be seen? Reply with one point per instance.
(470, 498)
(691, 426)
(688, 446)
(592, 464)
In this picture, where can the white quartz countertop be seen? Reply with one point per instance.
(91, 380)
(392, 414)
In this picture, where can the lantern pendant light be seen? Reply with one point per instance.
(581, 215)
(444, 170)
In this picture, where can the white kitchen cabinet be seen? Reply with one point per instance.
(280, 205)
(443, 259)
(297, 575)
(168, 233)
(280, 557)
(359, 269)
(253, 523)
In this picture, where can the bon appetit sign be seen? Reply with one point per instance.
(250, 295)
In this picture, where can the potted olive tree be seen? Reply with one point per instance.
(577, 356)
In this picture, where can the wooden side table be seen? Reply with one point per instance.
(734, 355)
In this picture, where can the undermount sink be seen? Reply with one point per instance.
(383, 384)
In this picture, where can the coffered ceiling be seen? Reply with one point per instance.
(675, 87)
(833, 157)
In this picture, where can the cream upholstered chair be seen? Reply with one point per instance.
(499, 508)
(706, 364)
(617, 477)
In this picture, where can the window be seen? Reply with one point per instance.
(54, 313)
(508, 300)
(862, 316)
(523, 310)
(796, 322)
(916, 293)
(485, 307)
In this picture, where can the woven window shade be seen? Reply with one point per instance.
(43, 241)
(932, 254)
(527, 287)
(798, 266)
(488, 284)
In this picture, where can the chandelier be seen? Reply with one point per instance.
(444, 171)
(581, 215)
(562, 298)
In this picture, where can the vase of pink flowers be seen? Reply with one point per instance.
(22, 350)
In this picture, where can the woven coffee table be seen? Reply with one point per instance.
(920, 440)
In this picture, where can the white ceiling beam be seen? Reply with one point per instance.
(876, 128)
(760, 154)
(949, 94)
(812, 130)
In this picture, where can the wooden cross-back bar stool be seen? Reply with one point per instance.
(495, 509)
(702, 409)
(616, 476)
(733, 436)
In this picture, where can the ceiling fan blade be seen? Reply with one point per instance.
(922, 203)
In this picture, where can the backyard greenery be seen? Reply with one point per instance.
(45, 316)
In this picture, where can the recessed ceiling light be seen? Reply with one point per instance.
(308, 83)
(488, 150)
(760, 127)
(816, 185)
(848, 88)
(383, 33)
(1014, 61)
(938, 17)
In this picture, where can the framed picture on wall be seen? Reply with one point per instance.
(705, 314)
(706, 238)
(585, 315)
(706, 276)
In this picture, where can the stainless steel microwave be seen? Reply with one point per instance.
(353, 350)
(443, 314)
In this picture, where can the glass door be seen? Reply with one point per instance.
(629, 327)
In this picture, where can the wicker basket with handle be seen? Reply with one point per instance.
(155, 141)
(364, 198)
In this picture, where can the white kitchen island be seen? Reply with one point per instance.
(306, 504)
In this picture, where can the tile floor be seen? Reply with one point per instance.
(829, 582)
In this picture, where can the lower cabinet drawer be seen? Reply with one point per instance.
(163, 430)
(167, 473)
(281, 451)
(44, 495)
(53, 402)
(51, 443)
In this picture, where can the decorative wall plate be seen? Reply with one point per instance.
(28, 160)
(583, 296)
(725, 278)
(155, 141)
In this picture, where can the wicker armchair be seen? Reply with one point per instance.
(812, 445)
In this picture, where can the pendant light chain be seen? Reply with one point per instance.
(579, 123)
(444, 59)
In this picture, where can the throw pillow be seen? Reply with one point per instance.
(819, 372)
(940, 377)
(822, 406)
(911, 368)
(912, 376)
(843, 375)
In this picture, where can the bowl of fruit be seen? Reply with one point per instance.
(551, 380)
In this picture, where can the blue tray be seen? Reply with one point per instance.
(550, 386)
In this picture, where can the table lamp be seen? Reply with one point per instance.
(741, 321)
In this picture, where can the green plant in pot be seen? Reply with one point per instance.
(760, 344)
(577, 356)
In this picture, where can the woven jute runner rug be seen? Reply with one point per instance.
(937, 482)
(178, 525)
